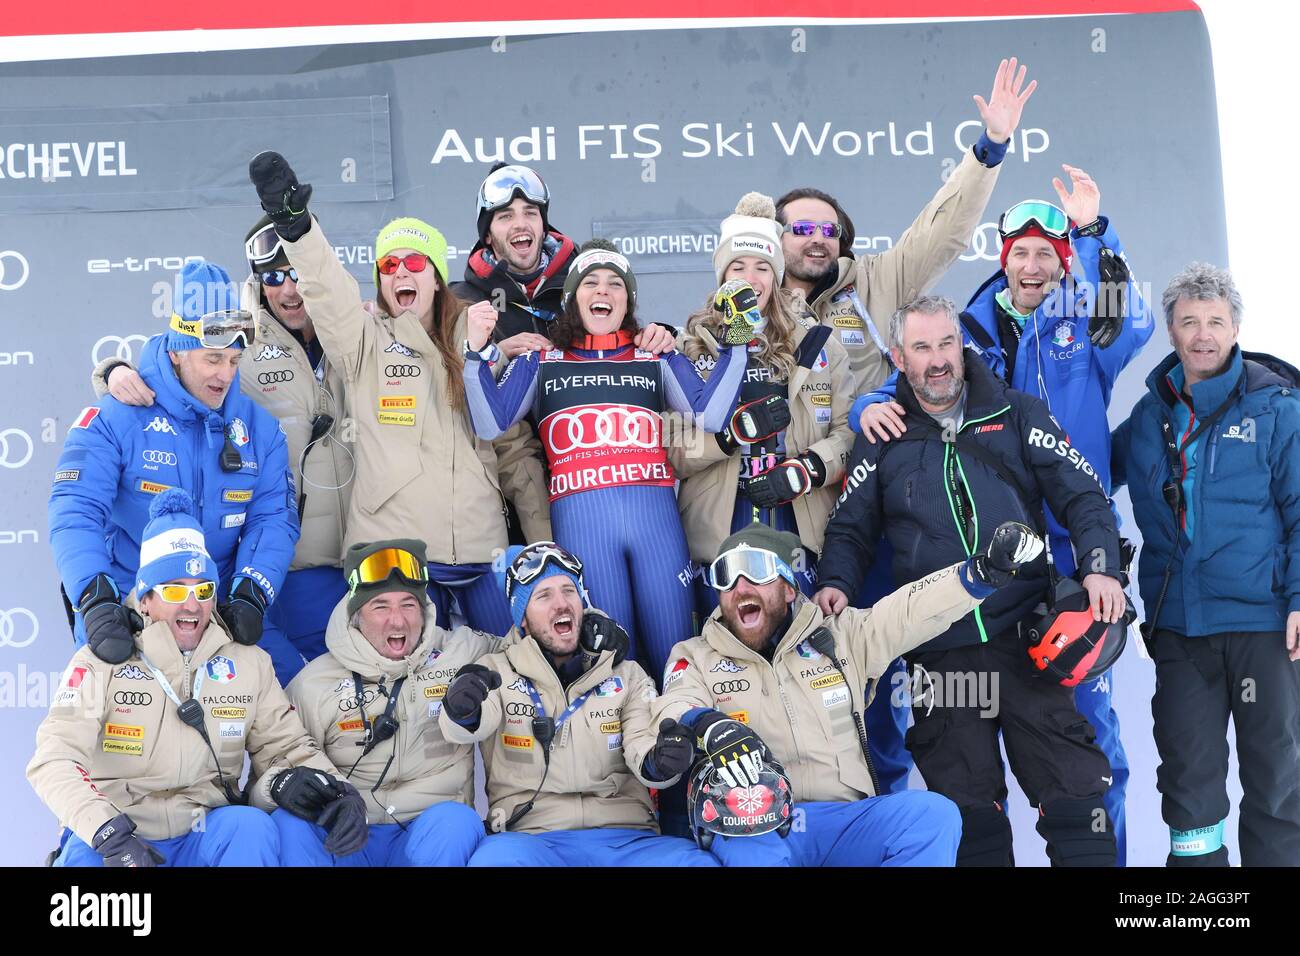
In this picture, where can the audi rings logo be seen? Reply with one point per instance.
(158, 457)
(731, 687)
(13, 270)
(271, 378)
(516, 709)
(612, 427)
(117, 346)
(402, 371)
(18, 628)
(15, 448)
(133, 697)
(985, 244)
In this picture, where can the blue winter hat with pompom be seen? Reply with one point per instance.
(172, 546)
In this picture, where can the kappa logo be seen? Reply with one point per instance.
(270, 352)
(518, 684)
(727, 666)
(401, 349)
(706, 363)
(160, 424)
(131, 672)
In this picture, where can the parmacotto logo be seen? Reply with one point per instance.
(230, 713)
(611, 727)
(830, 680)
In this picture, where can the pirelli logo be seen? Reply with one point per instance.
(436, 692)
(352, 726)
(237, 496)
(152, 487)
(517, 743)
(830, 680)
(230, 713)
(397, 418)
(130, 748)
(124, 732)
(740, 715)
(397, 401)
(822, 401)
(611, 727)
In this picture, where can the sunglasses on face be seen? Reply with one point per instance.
(179, 593)
(806, 227)
(276, 277)
(415, 262)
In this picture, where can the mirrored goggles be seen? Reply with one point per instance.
(375, 568)
(528, 564)
(262, 246)
(1051, 219)
(219, 330)
(179, 593)
(756, 565)
(414, 262)
(501, 185)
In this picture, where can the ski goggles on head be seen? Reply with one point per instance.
(529, 563)
(1021, 217)
(414, 262)
(756, 565)
(501, 185)
(276, 277)
(376, 568)
(219, 330)
(806, 227)
(262, 246)
(179, 593)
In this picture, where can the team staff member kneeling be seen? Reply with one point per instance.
(564, 725)
(141, 759)
(420, 470)
(772, 673)
(372, 703)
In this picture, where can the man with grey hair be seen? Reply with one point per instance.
(977, 453)
(1214, 453)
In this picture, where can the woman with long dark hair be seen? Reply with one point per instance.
(598, 401)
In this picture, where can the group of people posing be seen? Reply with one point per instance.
(671, 580)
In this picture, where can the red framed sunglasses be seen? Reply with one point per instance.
(415, 262)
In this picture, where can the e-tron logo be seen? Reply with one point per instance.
(13, 634)
(612, 427)
(15, 448)
(13, 270)
(133, 698)
(985, 244)
(271, 378)
(117, 346)
(402, 371)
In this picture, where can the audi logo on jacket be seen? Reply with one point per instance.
(939, 501)
(598, 410)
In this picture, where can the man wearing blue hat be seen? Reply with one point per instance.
(563, 721)
(202, 435)
(141, 759)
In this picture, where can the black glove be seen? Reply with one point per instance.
(304, 792)
(244, 611)
(463, 701)
(735, 751)
(283, 198)
(117, 843)
(674, 750)
(602, 633)
(110, 627)
(755, 421)
(1013, 546)
(787, 481)
(345, 821)
(1107, 321)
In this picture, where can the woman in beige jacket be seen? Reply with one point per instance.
(782, 456)
(421, 472)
